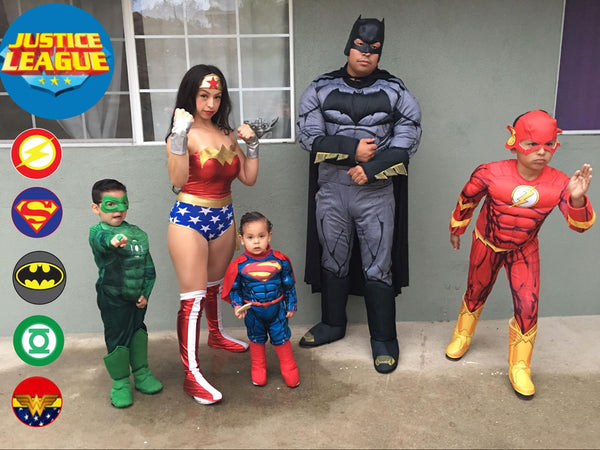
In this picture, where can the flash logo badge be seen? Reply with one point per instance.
(36, 153)
(39, 277)
(38, 340)
(525, 196)
(37, 401)
(37, 212)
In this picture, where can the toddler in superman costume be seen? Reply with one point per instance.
(520, 193)
(263, 278)
(126, 277)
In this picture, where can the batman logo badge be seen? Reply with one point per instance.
(358, 106)
(39, 277)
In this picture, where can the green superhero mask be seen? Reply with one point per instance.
(113, 204)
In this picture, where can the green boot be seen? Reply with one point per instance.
(144, 380)
(117, 364)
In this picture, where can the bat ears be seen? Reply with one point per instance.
(368, 30)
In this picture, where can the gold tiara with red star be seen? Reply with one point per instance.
(211, 81)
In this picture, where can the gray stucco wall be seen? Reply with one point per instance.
(474, 66)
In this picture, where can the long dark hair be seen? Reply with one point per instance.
(188, 89)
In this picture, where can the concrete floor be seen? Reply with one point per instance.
(428, 402)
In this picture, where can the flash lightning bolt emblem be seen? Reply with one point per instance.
(525, 196)
(36, 152)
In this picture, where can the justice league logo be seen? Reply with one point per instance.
(36, 153)
(38, 340)
(36, 212)
(37, 401)
(57, 61)
(39, 277)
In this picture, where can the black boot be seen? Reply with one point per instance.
(334, 295)
(381, 315)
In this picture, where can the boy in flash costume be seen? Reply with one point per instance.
(519, 194)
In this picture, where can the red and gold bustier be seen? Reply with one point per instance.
(212, 171)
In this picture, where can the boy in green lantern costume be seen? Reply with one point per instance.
(126, 276)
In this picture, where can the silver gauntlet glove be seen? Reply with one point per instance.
(179, 136)
(252, 148)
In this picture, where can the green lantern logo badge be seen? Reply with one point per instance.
(38, 340)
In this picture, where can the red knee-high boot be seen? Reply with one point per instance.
(217, 338)
(259, 364)
(188, 330)
(287, 364)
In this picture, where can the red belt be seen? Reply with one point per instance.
(265, 304)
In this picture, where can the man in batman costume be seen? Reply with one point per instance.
(361, 125)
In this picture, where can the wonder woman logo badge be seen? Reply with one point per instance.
(37, 401)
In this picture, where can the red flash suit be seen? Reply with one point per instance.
(507, 228)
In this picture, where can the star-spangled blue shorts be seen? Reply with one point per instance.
(209, 222)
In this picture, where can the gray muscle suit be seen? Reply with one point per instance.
(336, 111)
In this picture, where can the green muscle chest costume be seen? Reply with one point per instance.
(124, 274)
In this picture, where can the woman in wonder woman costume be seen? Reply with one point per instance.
(203, 160)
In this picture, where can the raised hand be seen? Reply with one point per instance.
(579, 184)
(182, 122)
(246, 133)
(119, 240)
(182, 114)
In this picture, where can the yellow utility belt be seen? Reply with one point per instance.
(490, 245)
(203, 201)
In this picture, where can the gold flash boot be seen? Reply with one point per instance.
(463, 332)
(520, 348)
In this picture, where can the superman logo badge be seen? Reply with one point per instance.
(262, 271)
(37, 212)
